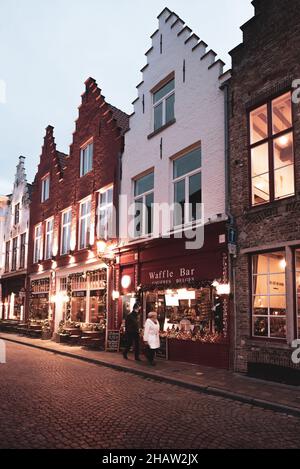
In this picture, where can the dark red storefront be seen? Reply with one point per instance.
(177, 284)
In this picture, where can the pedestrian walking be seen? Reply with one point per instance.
(151, 337)
(132, 331)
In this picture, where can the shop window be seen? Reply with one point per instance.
(272, 151)
(269, 295)
(298, 290)
(144, 200)
(194, 314)
(105, 214)
(79, 282)
(39, 307)
(7, 251)
(164, 104)
(66, 232)
(37, 254)
(86, 159)
(22, 250)
(187, 188)
(84, 224)
(78, 307)
(49, 238)
(17, 214)
(97, 311)
(45, 189)
(14, 254)
(98, 280)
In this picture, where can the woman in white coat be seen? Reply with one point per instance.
(151, 337)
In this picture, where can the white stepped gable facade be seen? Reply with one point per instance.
(14, 245)
(180, 108)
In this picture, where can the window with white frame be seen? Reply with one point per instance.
(14, 254)
(144, 200)
(163, 105)
(86, 159)
(45, 189)
(49, 238)
(37, 254)
(269, 295)
(84, 224)
(66, 221)
(17, 214)
(7, 252)
(187, 184)
(105, 214)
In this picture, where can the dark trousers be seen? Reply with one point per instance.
(150, 354)
(133, 339)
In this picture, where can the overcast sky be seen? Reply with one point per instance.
(48, 48)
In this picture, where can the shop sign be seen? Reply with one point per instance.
(113, 341)
(39, 295)
(79, 294)
(177, 275)
(96, 293)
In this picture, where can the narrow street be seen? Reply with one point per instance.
(49, 401)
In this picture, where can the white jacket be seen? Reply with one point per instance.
(151, 334)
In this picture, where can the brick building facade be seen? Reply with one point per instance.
(264, 125)
(70, 201)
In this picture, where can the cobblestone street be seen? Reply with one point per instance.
(49, 401)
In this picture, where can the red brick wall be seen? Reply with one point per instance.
(266, 62)
(97, 121)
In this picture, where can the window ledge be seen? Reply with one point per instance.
(161, 129)
(270, 205)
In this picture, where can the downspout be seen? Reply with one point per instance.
(229, 214)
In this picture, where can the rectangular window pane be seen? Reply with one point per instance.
(282, 113)
(278, 328)
(179, 200)
(138, 218)
(144, 184)
(187, 163)
(170, 104)
(284, 166)
(158, 116)
(258, 124)
(260, 285)
(163, 91)
(149, 213)
(261, 327)
(195, 195)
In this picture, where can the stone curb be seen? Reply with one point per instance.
(213, 391)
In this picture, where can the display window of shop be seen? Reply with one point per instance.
(97, 306)
(105, 214)
(37, 253)
(297, 265)
(164, 104)
(187, 188)
(63, 284)
(22, 250)
(7, 251)
(98, 279)
(17, 214)
(272, 150)
(66, 219)
(78, 306)
(194, 314)
(269, 295)
(39, 306)
(144, 200)
(49, 238)
(14, 254)
(84, 224)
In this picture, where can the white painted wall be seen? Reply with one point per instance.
(199, 113)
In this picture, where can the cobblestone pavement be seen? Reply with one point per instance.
(49, 401)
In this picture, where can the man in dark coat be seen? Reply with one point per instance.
(132, 329)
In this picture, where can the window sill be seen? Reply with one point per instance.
(270, 205)
(161, 129)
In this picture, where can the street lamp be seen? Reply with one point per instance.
(105, 253)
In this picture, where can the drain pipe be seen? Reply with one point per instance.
(225, 88)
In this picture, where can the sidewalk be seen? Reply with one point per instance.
(211, 381)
